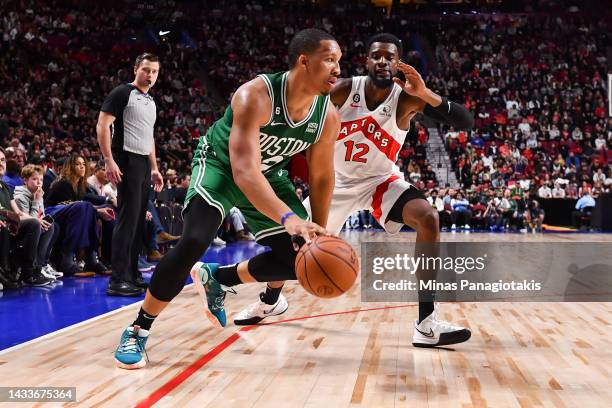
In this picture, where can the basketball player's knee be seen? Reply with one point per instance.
(287, 258)
(194, 245)
(430, 220)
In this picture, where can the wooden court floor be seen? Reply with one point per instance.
(337, 353)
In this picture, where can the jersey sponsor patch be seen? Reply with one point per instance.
(312, 127)
(386, 111)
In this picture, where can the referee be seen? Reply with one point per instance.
(125, 135)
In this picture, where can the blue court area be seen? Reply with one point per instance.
(31, 312)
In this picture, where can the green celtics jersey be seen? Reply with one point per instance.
(280, 138)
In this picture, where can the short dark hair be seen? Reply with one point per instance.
(306, 42)
(37, 159)
(145, 56)
(385, 38)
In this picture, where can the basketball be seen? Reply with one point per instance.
(327, 267)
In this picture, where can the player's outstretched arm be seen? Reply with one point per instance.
(320, 158)
(251, 107)
(430, 103)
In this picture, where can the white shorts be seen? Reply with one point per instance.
(377, 194)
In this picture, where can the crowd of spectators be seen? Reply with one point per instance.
(535, 83)
(537, 87)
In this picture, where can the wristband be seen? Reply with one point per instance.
(285, 216)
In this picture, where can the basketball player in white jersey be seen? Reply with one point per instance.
(375, 113)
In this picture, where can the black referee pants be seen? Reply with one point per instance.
(132, 195)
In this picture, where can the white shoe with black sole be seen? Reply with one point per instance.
(258, 311)
(432, 332)
(51, 270)
(48, 274)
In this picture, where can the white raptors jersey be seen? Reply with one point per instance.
(369, 141)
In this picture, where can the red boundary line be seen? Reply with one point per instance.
(165, 389)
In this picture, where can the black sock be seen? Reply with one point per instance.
(270, 296)
(144, 320)
(426, 304)
(228, 275)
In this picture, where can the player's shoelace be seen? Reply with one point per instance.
(253, 307)
(443, 324)
(216, 294)
(133, 343)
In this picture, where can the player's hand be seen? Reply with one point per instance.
(414, 85)
(112, 171)
(148, 216)
(2, 224)
(306, 229)
(158, 180)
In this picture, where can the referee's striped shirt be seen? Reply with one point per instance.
(135, 113)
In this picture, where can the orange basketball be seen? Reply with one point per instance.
(327, 267)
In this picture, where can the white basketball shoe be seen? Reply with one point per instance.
(258, 311)
(432, 332)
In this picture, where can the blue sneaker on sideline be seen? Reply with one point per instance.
(131, 350)
(203, 276)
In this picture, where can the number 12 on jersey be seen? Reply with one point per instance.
(361, 149)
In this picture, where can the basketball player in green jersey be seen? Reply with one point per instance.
(375, 111)
(240, 162)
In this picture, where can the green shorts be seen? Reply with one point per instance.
(213, 181)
